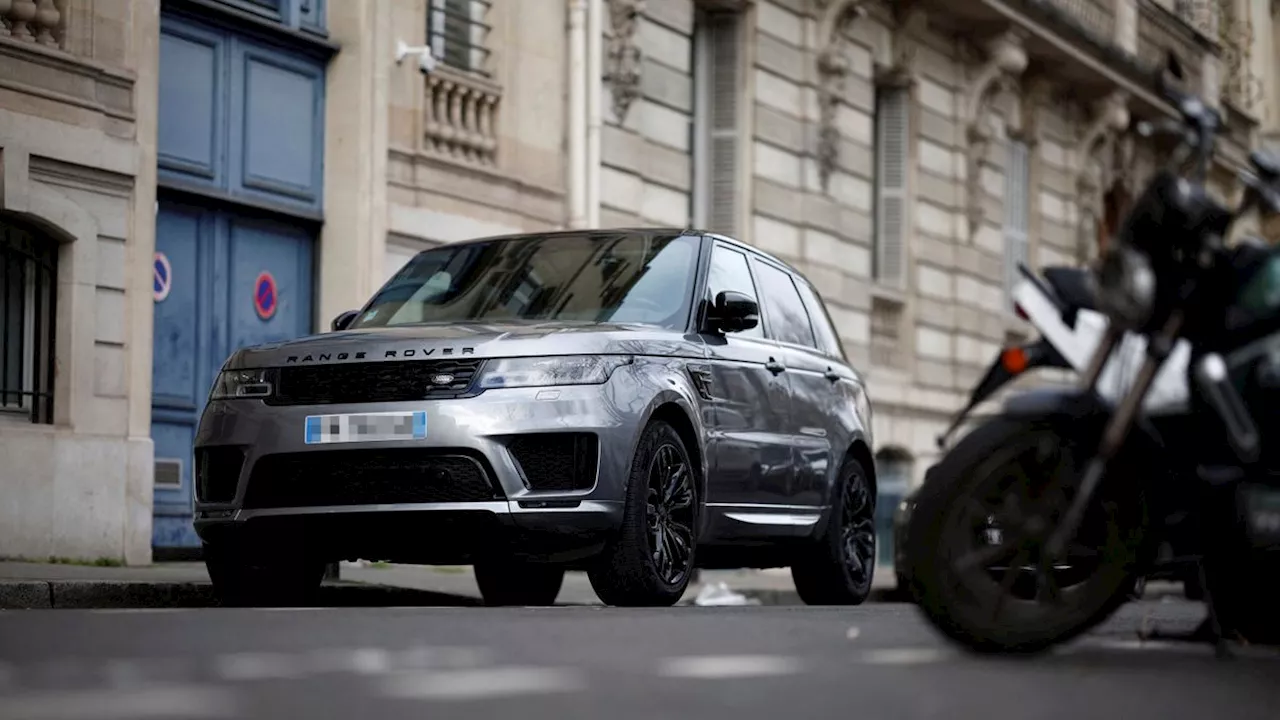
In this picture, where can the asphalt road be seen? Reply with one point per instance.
(878, 661)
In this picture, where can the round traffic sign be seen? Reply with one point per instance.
(265, 295)
(162, 277)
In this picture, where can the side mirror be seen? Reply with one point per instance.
(734, 312)
(344, 320)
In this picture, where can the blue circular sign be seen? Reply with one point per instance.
(162, 277)
(265, 295)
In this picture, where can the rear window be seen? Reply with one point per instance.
(828, 338)
(788, 320)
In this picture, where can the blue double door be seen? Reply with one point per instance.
(241, 165)
(232, 280)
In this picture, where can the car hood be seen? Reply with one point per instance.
(458, 341)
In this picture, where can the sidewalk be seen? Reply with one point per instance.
(41, 585)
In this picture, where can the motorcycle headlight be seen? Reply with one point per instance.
(549, 371)
(1126, 287)
(247, 384)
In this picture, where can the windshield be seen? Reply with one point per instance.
(596, 277)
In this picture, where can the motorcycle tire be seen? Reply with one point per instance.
(964, 612)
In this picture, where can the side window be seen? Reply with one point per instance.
(729, 271)
(828, 340)
(788, 321)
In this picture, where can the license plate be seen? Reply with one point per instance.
(365, 427)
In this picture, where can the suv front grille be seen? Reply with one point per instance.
(397, 381)
(366, 477)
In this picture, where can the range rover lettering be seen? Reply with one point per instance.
(632, 403)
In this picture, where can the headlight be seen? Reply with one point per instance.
(1126, 287)
(547, 371)
(241, 384)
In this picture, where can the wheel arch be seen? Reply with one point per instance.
(677, 416)
(859, 450)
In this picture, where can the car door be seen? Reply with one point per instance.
(811, 375)
(748, 448)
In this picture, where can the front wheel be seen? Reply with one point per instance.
(651, 561)
(976, 535)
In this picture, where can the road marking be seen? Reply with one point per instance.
(905, 656)
(176, 701)
(259, 666)
(728, 666)
(481, 684)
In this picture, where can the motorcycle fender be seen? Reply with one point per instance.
(1077, 405)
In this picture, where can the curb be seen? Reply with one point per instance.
(122, 594)
(775, 598)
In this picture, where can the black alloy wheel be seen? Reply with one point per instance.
(651, 560)
(669, 513)
(838, 567)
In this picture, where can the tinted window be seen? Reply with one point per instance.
(788, 321)
(729, 271)
(593, 277)
(828, 340)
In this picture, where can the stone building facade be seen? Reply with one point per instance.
(77, 191)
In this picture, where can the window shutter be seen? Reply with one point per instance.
(724, 39)
(1017, 207)
(892, 137)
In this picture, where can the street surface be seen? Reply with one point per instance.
(877, 661)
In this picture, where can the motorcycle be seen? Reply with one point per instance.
(1067, 483)
(1062, 308)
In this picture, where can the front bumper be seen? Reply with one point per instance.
(266, 482)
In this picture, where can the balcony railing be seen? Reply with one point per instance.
(37, 21)
(1095, 17)
(461, 114)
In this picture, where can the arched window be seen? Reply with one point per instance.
(893, 480)
(28, 286)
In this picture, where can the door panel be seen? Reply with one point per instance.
(215, 258)
(285, 253)
(749, 451)
(810, 427)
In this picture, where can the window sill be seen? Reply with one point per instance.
(888, 293)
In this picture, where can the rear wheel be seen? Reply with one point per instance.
(839, 568)
(651, 561)
(518, 583)
(976, 536)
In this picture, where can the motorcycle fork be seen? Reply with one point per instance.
(1158, 349)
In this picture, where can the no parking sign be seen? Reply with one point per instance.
(265, 295)
(162, 277)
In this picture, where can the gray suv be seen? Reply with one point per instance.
(633, 403)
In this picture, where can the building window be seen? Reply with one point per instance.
(1017, 211)
(717, 59)
(892, 148)
(458, 35)
(28, 286)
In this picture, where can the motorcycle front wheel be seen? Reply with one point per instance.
(976, 535)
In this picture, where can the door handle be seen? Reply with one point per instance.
(831, 375)
(774, 366)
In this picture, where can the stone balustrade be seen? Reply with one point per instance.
(461, 113)
(37, 21)
(1096, 17)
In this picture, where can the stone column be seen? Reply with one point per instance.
(1126, 37)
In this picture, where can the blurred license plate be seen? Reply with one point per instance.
(365, 427)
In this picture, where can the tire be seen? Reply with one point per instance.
(504, 583)
(629, 571)
(960, 603)
(839, 567)
(243, 578)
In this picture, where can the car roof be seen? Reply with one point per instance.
(642, 232)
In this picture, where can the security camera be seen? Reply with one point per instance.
(426, 61)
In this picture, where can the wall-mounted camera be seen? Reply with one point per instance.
(426, 61)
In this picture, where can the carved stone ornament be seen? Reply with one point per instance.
(1099, 156)
(1006, 60)
(835, 17)
(623, 59)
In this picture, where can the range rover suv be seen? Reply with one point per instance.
(632, 403)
